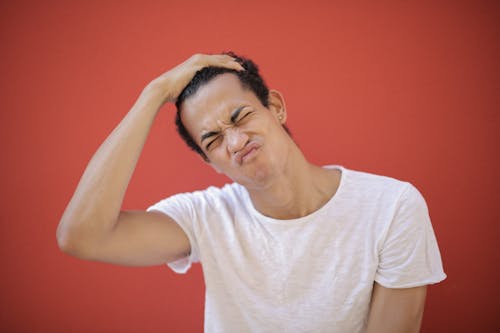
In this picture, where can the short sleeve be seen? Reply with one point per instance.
(182, 208)
(409, 256)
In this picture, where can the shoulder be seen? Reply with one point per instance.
(373, 179)
(373, 186)
(210, 198)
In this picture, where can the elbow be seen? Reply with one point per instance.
(65, 243)
(71, 242)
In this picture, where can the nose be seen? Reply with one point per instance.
(236, 139)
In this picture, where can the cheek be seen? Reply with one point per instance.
(219, 156)
(264, 122)
(271, 126)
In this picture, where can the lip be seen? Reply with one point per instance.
(247, 152)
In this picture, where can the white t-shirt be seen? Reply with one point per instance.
(310, 274)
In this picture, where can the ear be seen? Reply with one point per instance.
(277, 105)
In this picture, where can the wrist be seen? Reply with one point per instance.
(150, 100)
(158, 91)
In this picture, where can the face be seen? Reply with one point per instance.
(240, 137)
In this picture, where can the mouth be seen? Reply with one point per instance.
(247, 153)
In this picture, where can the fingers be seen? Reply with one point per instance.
(217, 60)
(228, 62)
(172, 82)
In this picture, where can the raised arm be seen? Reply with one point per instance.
(93, 226)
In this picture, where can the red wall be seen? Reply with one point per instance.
(409, 90)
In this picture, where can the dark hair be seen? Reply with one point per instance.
(249, 78)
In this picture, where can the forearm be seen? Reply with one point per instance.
(93, 213)
(96, 203)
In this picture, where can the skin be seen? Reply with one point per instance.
(228, 121)
(252, 149)
(396, 310)
(255, 150)
(93, 226)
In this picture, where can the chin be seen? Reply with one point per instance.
(257, 178)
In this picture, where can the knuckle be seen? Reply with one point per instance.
(197, 57)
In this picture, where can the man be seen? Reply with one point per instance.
(289, 246)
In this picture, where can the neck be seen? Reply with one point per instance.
(298, 190)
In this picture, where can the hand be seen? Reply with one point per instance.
(168, 86)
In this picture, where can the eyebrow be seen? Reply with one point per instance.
(233, 118)
(208, 134)
(235, 114)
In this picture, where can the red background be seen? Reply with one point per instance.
(406, 89)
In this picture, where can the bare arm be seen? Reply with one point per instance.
(396, 310)
(93, 226)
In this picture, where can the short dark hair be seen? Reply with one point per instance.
(249, 78)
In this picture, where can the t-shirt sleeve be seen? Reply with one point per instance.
(182, 208)
(409, 255)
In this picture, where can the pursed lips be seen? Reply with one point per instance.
(240, 155)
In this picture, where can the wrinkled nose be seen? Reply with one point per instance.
(236, 139)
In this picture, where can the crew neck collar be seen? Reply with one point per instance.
(303, 219)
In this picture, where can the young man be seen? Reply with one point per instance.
(289, 246)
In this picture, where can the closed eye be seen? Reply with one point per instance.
(214, 141)
(243, 117)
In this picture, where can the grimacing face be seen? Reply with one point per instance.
(240, 137)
